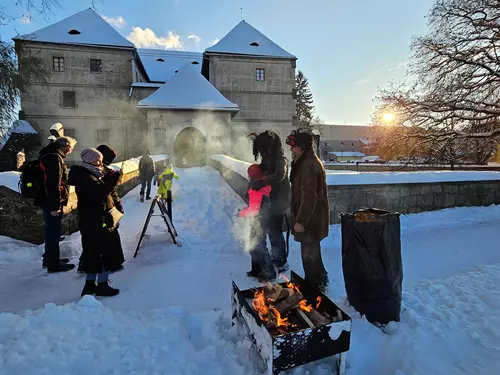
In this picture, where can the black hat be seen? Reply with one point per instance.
(301, 138)
(108, 154)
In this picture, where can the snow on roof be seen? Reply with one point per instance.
(160, 65)
(188, 89)
(85, 27)
(18, 127)
(244, 39)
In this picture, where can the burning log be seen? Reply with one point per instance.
(289, 303)
(317, 318)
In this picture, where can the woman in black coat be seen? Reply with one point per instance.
(273, 163)
(93, 188)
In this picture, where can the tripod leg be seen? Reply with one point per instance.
(151, 210)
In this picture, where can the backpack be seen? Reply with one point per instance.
(31, 184)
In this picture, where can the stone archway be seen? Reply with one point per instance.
(190, 148)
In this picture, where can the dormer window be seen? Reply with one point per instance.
(195, 63)
(74, 32)
(254, 44)
(160, 60)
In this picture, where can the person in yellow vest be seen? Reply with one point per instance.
(165, 186)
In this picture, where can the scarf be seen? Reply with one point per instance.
(96, 171)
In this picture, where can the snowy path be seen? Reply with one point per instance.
(451, 297)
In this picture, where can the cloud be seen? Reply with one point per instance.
(363, 81)
(117, 22)
(195, 37)
(215, 42)
(26, 19)
(146, 38)
(400, 65)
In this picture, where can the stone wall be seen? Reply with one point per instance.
(21, 220)
(412, 198)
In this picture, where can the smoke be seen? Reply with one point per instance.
(226, 138)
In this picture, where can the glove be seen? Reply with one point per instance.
(154, 181)
(258, 184)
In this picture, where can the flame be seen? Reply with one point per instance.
(318, 300)
(265, 309)
(304, 306)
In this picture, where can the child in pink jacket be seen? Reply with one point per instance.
(258, 211)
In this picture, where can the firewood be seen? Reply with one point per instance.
(289, 303)
(317, 318)
(284, 294)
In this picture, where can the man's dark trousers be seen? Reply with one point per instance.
(52, 236)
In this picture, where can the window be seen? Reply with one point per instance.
(103, 136)
(74, 32)
(70, 132)
(254, 44)
(260, 74)
(69, 99)
(58, 64)
(95, 66)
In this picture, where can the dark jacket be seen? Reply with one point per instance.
(146, 168)
(109, 154)
(310, 205)
(101, 251)
(55, 178)
(276, 172)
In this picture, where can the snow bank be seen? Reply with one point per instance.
(235, 165)
(368, 178)
(87, 338)
(10, 180)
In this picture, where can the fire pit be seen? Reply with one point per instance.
(292, 323)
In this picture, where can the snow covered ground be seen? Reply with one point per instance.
(173, 313)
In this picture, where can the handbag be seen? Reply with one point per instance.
(111, 218)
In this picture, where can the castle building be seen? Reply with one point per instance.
(186, 104)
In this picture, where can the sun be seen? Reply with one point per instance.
(388, 117)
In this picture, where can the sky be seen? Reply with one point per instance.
(347, 49)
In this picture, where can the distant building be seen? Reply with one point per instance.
(346, 142)
(187, 104)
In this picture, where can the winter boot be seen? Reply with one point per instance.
(61, 261)
(80, 268)
(104, 290)
(148, 198)
(141, 198)
(89, 288)
(60, 267)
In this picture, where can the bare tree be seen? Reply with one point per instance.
(452, 91)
